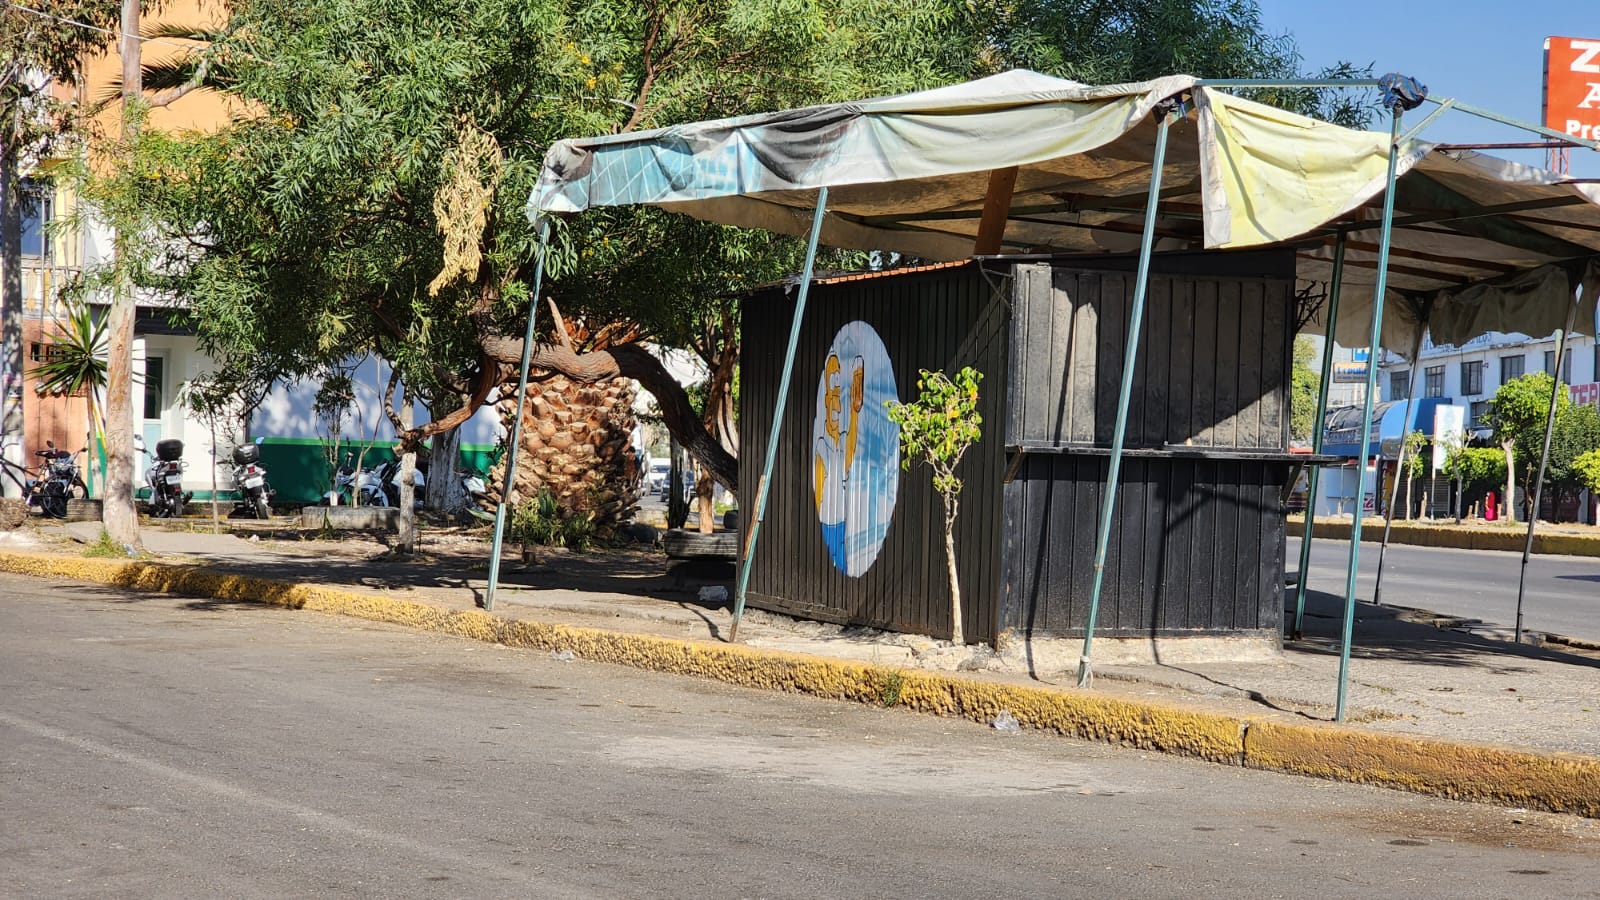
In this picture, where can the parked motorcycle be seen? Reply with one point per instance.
(250, 482)
(353, 486)
(59, 482)
(477, 495)
(384, 486)
(165, 478)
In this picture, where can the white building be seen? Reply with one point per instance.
(1470, 374)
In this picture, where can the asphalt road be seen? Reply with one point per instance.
(158, 747)
(1562, 594)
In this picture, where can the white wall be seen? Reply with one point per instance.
(288, 410)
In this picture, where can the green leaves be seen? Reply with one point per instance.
(940, 424)
(76, 360)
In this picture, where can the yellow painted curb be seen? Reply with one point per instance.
(1561, 782)
(1558, 782)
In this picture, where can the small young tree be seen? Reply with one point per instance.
(1518, 413)
(938, 427)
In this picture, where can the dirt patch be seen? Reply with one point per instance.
(1481, 826)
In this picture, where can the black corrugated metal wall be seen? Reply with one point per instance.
(1197, 541)
(941, 319)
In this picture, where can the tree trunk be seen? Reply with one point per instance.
(1511, 481)
(408, 487)
(957, 633)
(677, 507)
(445, 494)
(704, 488)
(630, 361)
(1410, 480)
(11, 362)
(119, 516)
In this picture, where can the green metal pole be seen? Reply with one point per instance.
(747, 558)
(1544, 459)
(1399, 464)
(515, 434)
(1378, 290)
(1129, 357)
(1317, 430)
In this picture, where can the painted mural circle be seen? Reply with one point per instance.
(855, 449)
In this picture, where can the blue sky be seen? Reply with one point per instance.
(1487, 54)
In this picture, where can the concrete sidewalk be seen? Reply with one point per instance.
(1430, 709)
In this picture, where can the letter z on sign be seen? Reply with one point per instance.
(1572, 86)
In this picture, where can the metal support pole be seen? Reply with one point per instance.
(515, 433)
(1399, 463)
(1544, 459)
(1378, 289)
(1129, 358)
(747, 558)
(1317, 430)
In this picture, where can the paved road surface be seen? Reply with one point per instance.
(1563, 592)
(158, 747)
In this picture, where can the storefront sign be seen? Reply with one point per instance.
(1572, 86)
(1349, 373)
(1584, 394)
(1449, 423)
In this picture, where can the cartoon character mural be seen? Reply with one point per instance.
(855, 449)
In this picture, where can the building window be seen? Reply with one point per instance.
(1399, 385)
(1472, 378)
(1480, 411)
(1596, 376)
(154, 377)
(36, 210)
(1433, 381)
(1566, 366)
(1511, 367)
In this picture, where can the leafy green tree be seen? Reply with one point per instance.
(1304, 389)
(938, 427)
(1577, 431)
(374, 199)
(1518, 413)
(1586, 470)
(41, 54)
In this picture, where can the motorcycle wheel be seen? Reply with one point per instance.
(77, 490)
(54, 501)
(263, 508)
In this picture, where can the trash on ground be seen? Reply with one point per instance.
(1006, 722)
(563, 655)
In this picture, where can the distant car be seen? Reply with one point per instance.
(655, 477)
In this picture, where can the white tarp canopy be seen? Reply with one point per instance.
(1473, 242)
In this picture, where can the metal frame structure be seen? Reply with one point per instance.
(748, 556)
(1129, 356)
(1387, 224)
(1317, 433)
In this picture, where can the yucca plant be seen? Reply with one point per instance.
(76, 363)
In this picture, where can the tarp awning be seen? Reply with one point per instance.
(1479, 243)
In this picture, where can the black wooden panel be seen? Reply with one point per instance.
(1196, 547)
(1203, 412)
(939, 320)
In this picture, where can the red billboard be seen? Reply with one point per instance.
(1572, 86)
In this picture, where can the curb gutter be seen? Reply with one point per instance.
(1559, 782)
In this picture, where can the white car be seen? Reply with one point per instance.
(655, 477)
